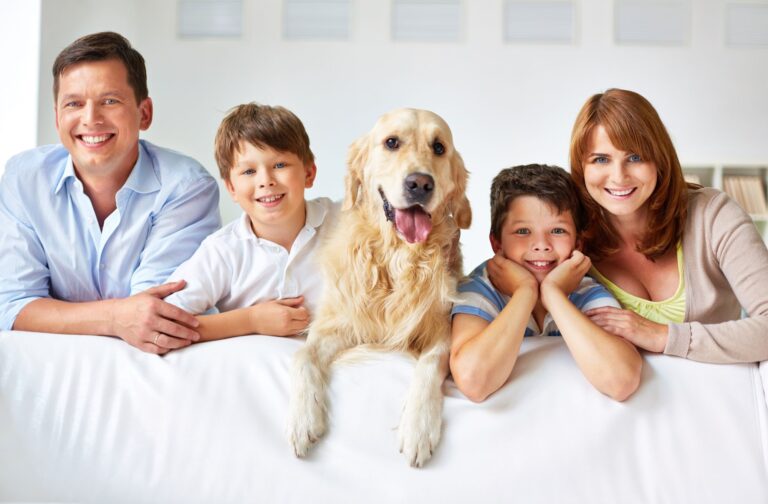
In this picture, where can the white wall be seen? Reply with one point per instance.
(507, 104)
(19, 58)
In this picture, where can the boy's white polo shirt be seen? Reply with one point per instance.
(233, 268)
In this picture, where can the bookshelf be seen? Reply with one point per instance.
(746, 184)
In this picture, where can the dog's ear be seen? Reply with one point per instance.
(460, 208)
(357, 157)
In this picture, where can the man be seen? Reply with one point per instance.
(92, 226)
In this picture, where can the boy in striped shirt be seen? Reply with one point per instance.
(535, 285)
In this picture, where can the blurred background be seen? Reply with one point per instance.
(508, 76)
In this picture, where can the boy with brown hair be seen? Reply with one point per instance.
(535, 285)
(259, 271)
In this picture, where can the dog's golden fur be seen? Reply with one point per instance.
(381, 289)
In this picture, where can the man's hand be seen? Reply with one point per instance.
(280, 317)
(629, 325)
(508, 276)
(147, 322)
(566, 276)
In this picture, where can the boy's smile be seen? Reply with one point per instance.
(269, 186)
(536, 236)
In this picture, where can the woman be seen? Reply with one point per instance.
(682, 260)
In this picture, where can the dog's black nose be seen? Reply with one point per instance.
(418, 187)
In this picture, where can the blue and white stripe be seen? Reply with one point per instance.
(478, 297)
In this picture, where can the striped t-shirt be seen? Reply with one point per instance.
(478, 296)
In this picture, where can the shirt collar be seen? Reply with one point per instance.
(316, 213)
(66, 174)
(142, 179)
(315, 216)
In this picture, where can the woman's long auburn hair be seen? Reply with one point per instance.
(632, 125)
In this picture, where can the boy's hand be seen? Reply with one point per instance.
(280, 317)
(566, 276)
(508, 276)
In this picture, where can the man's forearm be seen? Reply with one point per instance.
(54, 316)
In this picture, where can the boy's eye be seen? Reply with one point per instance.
(280, 165)
(522, 231)
(635, 158)
(559, 231)
(249, 171)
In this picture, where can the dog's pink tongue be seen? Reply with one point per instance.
(413, 223)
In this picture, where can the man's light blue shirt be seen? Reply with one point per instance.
(52, 245)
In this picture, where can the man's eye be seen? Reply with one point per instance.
(110, 101)
(392, 143)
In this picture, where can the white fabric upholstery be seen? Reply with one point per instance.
(90, 419)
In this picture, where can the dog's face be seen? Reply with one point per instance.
(407, 170)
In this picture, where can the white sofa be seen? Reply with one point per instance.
(91, 419)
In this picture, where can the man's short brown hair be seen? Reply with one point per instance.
(260, 125)
(550, 184)
(99, 47)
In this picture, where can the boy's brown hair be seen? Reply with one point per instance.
(99, 47)
(550, 184)
(260, 125)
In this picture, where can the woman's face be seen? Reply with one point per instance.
(619, 181)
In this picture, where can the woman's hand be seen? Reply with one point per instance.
(629, 325)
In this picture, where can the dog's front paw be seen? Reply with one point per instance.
(306, 423)
(419, 430)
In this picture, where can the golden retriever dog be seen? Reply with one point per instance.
(391, 266)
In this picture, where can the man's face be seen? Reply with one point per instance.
(98, 119)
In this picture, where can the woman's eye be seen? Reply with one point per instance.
(439, 148)
(635, 158)
(392, 143)
(600, 159)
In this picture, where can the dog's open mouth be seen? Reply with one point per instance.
(413, 223)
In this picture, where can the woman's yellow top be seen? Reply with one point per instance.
(671, 310)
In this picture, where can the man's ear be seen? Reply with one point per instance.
(311, 172)
(495, 244)
(145, 108)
